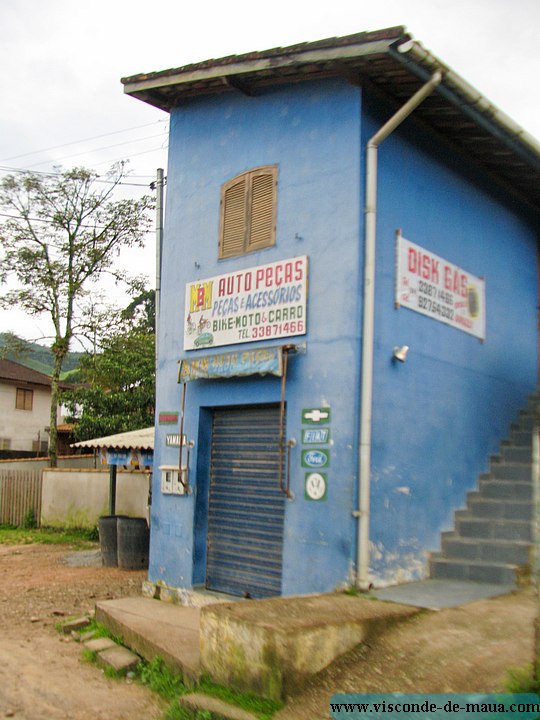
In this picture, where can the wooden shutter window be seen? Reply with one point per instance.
(24, 399)
(233, 218)
(261, 227)
(248, 212)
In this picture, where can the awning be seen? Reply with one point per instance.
(133, 440)
(261, 361)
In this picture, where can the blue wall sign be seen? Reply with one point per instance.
(263, 361)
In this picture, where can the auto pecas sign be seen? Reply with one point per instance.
(260, 303)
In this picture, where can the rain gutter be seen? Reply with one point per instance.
(469, 101)
(368, 323)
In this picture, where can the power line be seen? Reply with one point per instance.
(51, 222)
(143, 152)
(106, 147)
(27, 171)
(77, 142)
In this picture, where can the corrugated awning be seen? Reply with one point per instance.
(133, 440)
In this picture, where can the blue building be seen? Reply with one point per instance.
(348, 322)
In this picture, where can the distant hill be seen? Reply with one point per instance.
(35, 356)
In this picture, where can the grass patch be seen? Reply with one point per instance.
(261, 707)
(100, 631)
(521, 680)
(81, 538)
(88, 656)
(177, 712)
(157, 676)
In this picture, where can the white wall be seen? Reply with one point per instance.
(23, 426)
(77, 498)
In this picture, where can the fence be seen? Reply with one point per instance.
(20, 496)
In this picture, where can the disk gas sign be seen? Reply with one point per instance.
(435, 287)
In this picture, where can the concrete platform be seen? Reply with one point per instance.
(439, 594)
(272, 647)
(156, 629)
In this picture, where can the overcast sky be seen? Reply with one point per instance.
(62, 102)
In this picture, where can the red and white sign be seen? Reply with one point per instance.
(261, 303)
(435, 287)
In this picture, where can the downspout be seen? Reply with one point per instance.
(368, 323)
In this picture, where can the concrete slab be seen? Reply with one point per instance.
(200, 702)
(98, 644)
(76, 624)
(271, 647)
(153, 628)
(437, 594)
(119, 658)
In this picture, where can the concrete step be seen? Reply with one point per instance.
(119, 658)
(511, 471)
(506, 489)
(111, 655)
(499, 551)
(200, 705)
(96, 645)
(527, 420)
(499, 509)
(478, 571)
(468, 526)
(153, 628)
(520, 438)
(513, 453)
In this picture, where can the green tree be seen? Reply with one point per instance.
(119, 387)
(65, 233)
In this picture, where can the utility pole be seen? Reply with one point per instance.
(158, 185)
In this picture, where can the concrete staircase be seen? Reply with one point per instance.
(492, 539)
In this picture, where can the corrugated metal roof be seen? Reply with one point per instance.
(133, 440)
(388, 64)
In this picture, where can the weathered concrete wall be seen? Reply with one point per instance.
(272, 647)
(32, 463)
(77, 498)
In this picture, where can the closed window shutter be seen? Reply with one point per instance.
(234, 219)
(248, 212)
(261, 227)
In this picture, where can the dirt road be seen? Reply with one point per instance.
(458, 650)
(41, 673)
(465, 649)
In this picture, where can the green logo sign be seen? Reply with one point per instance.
(316, 416)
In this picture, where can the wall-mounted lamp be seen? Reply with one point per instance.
(400, 353)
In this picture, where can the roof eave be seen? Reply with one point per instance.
(467, 98)
(143, 86)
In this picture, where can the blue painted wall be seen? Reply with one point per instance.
(312, 133)
(437, 417)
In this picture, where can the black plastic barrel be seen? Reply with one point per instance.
(107, 527)
(133, 543)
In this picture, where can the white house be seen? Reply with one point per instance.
(25, 398)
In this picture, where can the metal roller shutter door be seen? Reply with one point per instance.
(246, 506)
